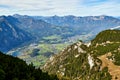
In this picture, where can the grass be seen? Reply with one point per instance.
(40, 59)
(52, 37)
(52, 47)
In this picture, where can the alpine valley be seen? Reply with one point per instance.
(36, 38)
(60, 47)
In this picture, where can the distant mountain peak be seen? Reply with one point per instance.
(3, 18)
(15, 15)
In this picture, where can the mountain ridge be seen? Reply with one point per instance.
(10, 34)
(86, 62)
(84, 25)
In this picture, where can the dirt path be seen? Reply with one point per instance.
(113, 69)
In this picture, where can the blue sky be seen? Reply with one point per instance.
(60, 7)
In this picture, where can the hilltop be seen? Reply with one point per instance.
(97, 60)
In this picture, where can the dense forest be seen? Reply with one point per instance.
(12, 68)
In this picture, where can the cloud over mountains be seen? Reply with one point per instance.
(60, 7)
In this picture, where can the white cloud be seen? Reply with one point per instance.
(61, 7)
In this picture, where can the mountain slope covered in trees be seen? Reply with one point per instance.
(12, 68)
(98, 60)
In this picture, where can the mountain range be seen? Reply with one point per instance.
(84, 25)
(39, 28)
(36, 28)
(36, 38)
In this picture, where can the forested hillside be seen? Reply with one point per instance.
(97, 60)
(12, 68)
